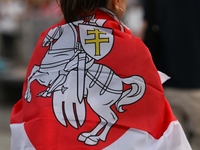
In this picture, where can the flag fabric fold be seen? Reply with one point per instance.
(90, 84)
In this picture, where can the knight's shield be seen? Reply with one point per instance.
(96, 41)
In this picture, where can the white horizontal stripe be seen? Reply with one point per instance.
(134, 139)
(19, 138)
(172, 139)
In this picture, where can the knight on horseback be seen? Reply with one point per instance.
(59, 61)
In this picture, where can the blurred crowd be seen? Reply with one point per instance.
(170, 29)
(21, 23)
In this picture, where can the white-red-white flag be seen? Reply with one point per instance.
(92, 86)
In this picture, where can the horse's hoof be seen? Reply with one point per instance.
(82, 138)
(29, 98)
(41, 93)
(92, 141)
(25, 96)
(48, 95)
(27, 93)
(44, 94)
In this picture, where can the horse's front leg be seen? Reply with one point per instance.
(30, 79)
(55, 84)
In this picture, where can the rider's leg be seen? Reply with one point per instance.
(61, 78)
(58, 81)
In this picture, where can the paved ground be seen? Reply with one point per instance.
(5, 134)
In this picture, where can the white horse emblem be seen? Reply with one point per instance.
(77, 78)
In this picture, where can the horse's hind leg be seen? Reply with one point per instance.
(108, 119)
(110, 123)
(83, 136)
(93, 140)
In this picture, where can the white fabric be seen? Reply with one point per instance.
(163, 77)
(19, 138)
(134, 139)
(172, 139)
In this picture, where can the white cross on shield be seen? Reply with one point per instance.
(96, 41)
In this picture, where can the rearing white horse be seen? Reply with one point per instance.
(56, 58)
(60, 69)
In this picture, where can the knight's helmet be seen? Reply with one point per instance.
(62, 41)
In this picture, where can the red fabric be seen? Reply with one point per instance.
(129, 56)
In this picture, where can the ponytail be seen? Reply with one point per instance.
(72, 8)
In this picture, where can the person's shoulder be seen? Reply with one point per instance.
(62, 22)
(139, 46)
(137, 41)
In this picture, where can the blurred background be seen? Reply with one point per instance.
(169, 28)
(21, 23)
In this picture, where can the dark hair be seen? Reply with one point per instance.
(72, 8)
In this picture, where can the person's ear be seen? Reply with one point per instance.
(115, 5)
(112, 5)
(118, 7)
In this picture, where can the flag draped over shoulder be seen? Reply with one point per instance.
(91, 85)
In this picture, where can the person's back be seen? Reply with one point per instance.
(91, 85)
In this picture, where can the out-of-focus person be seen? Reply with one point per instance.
(40, 14)
(45, 8)
(133, 17)
(173, 35)
(10, 12)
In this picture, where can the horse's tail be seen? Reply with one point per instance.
(133, 94)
